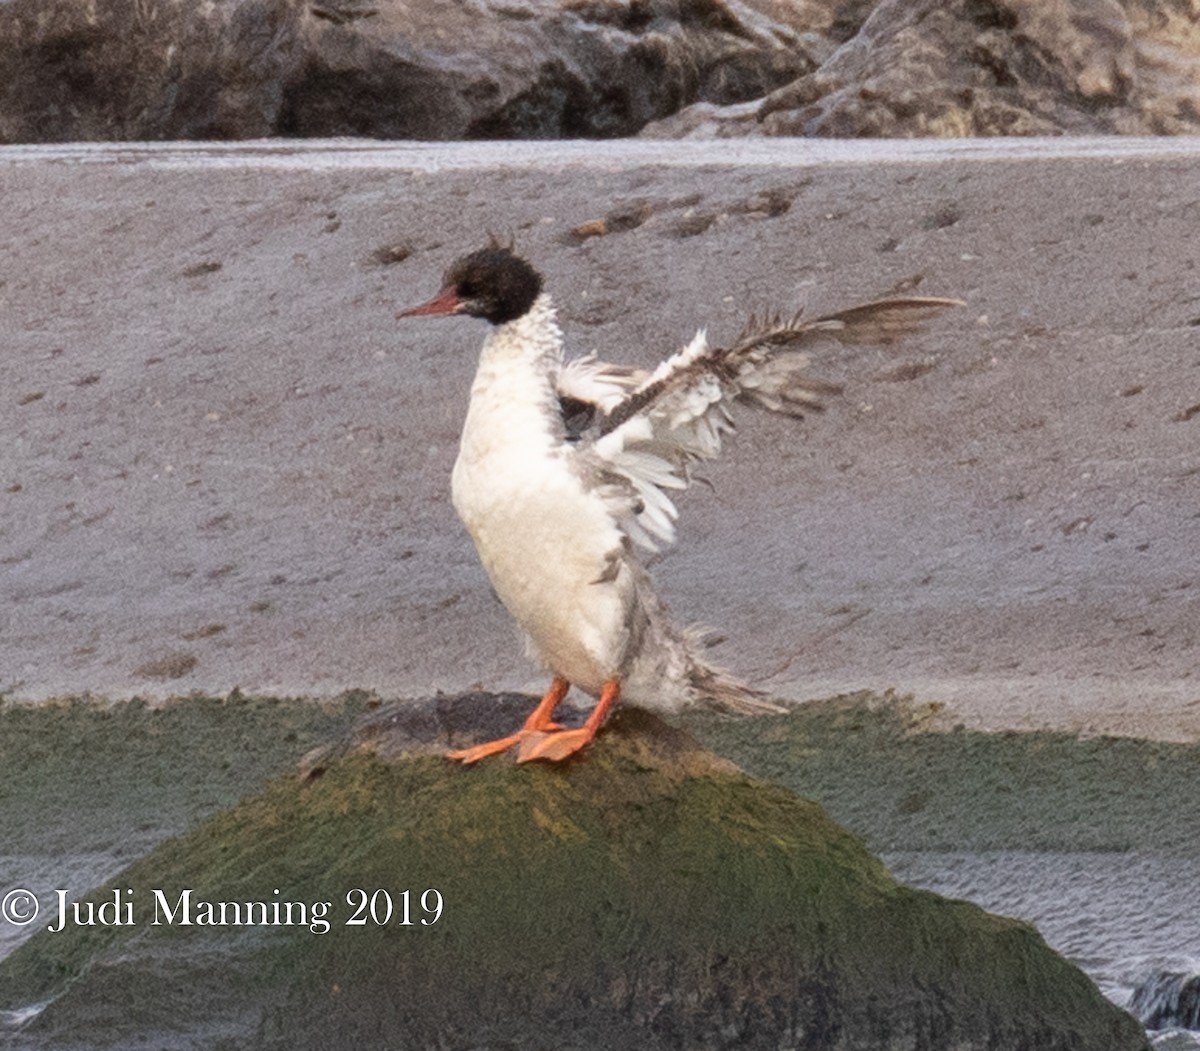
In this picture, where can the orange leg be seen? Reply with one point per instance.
(557, 746)
(540, 722)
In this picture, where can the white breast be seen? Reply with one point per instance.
(544, 538)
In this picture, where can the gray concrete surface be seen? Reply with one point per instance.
(223, 462)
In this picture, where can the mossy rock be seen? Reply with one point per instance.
(647, 895)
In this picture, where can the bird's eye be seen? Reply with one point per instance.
(467, 289)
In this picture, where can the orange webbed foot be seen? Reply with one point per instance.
(553, 746)
(539, 724)
(556, 747)
(482, 751)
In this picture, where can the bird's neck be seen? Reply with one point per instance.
(532, 341)
(515, 385)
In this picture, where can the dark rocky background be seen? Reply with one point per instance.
(502, 69)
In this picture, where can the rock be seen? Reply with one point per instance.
(1168, 1001)
(648, 895)
(144, 69)
(172, 69)
(169, 69)
(986, 67)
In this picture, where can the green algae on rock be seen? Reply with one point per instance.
(896, 771)
(649, 895)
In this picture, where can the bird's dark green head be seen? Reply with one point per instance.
(493, 283)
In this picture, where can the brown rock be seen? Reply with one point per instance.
(987, 67)
(163, 69)
(142, 69)
(160, 69)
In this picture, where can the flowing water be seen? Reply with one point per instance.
(1121, 917)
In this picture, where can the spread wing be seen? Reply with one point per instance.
(638, 433)
(589, 389)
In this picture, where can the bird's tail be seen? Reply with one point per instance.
(715, 690)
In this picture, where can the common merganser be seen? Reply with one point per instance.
(565, 466)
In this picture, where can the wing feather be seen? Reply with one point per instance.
(597, 382)
(649, 428)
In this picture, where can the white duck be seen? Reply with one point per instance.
(565, 466)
